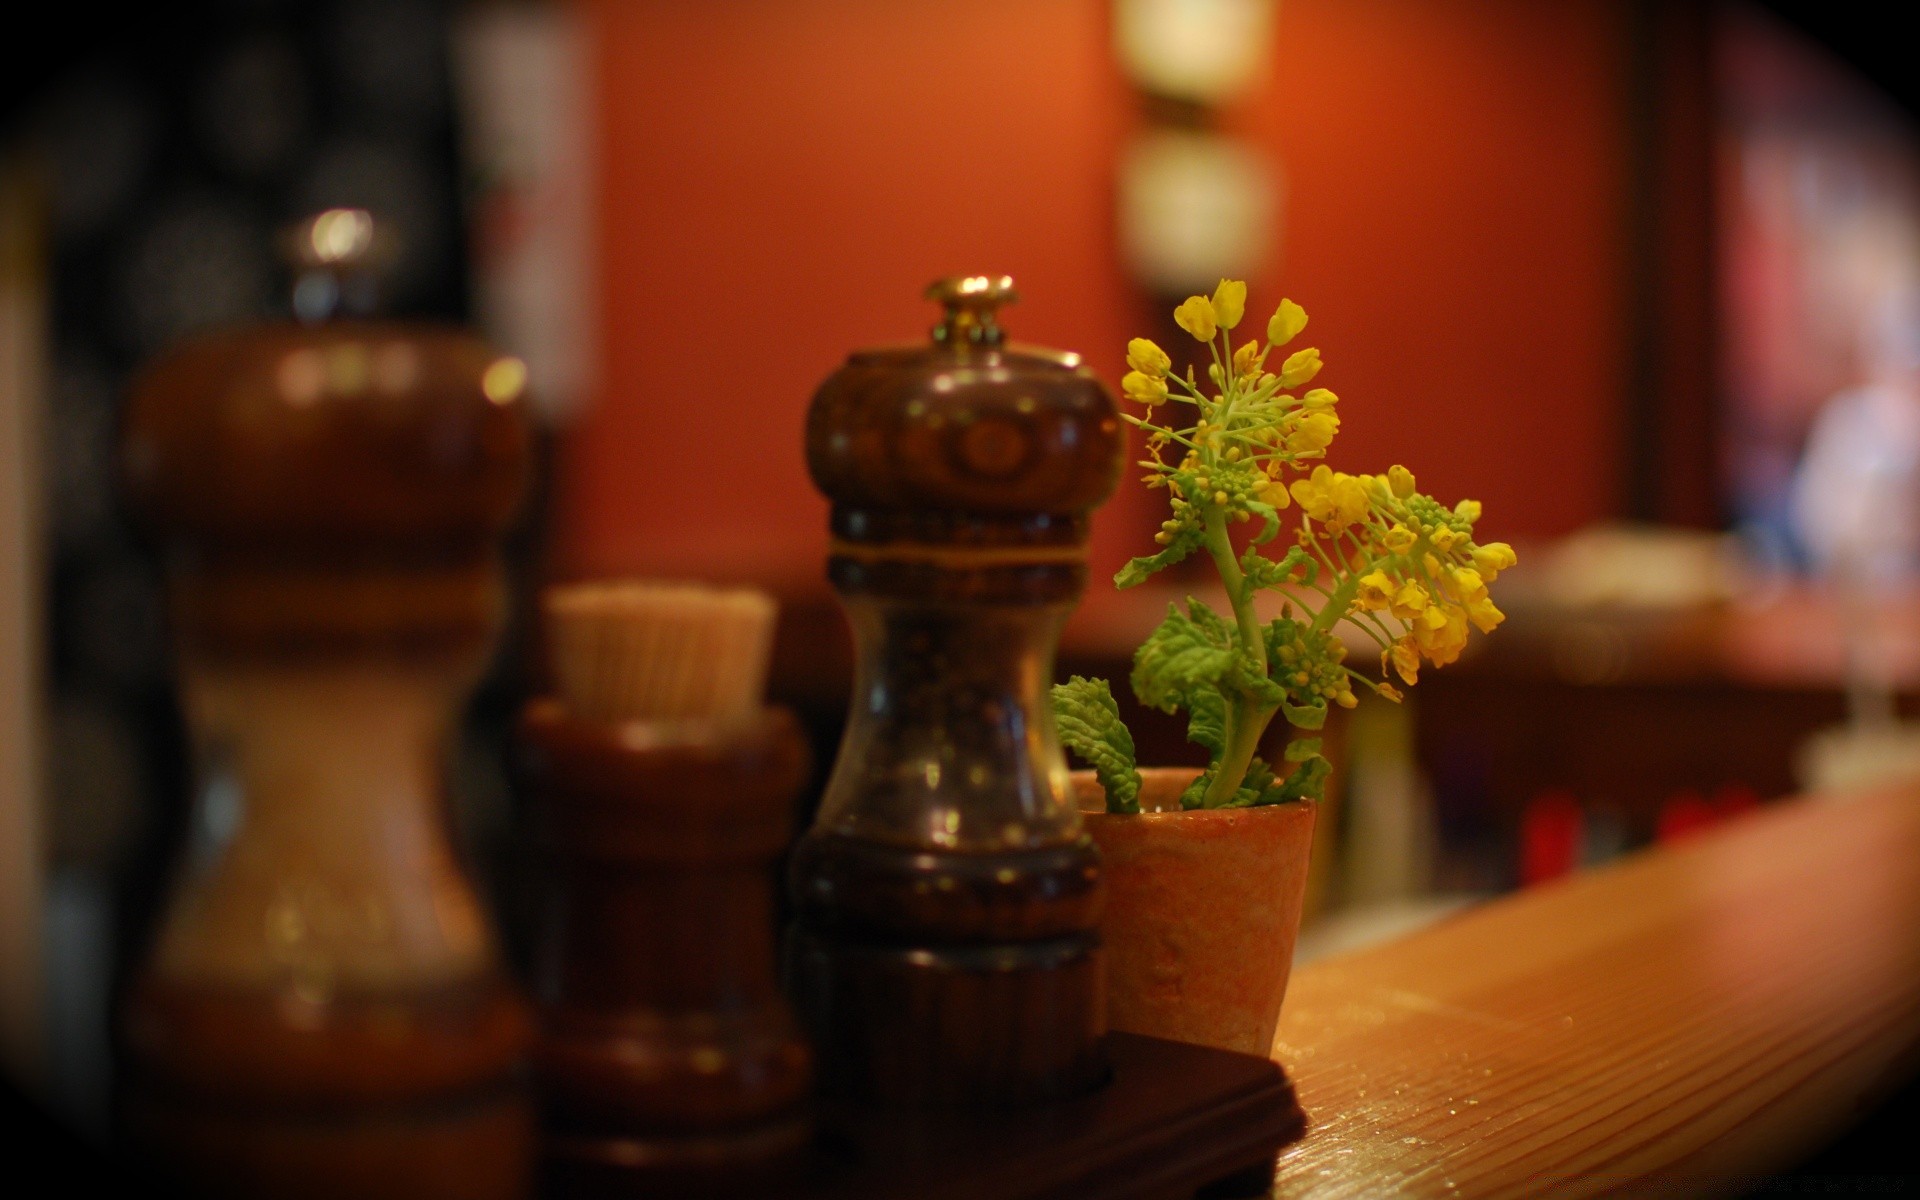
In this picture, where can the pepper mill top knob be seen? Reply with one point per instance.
(971, 302)
(968, 427)
(333, 479)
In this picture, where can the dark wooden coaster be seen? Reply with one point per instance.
(1174, 1119)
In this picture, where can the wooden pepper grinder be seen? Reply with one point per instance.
(669, 1061)
(323, 1013)
(945, 949)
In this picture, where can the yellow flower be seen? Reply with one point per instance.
(1410, 601)
(1399, 539)
(1374, 591)
(1493, 558)
(1275, 493)
(1484, 615)
(1147, 389)
(1319, 398)
(1312, 432)
(1286, 323)
(1441, 634)
(1300, 366)
(1347, 497)
(1229, 302)
(1400, 480)
(1406, 659)
(1147, 358)
(1195, 315)
(1311, 492)
(1387, 691)
(1468, 509)
(1466, 585)
(1248, 361)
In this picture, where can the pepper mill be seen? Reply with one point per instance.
(669, 1060)
(944, 950)
(323, 1012)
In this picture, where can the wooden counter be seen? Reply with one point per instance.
(1688, 1020)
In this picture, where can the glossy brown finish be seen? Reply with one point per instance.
(328, 499)
(354, 433)
(329, 487)
(414, 1094)
(985, 969)
(1682, 1023)
(668, 1056)
(1174, 1119)
(945, 950)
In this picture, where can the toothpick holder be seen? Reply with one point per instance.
(668, 1059)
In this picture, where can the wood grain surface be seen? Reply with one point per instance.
(1682, 1023)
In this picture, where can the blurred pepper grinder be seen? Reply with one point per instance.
(324, 1012)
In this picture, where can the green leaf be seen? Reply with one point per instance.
(1305, 716)
(1182, 655)
(1207, 721)
(1185, 541)
(1301, 749)
(1264, 572)
(1259, 787)
(1269, 522)
(1308, 781)
(1089, 723)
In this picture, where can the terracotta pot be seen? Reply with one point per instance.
(1202, 911)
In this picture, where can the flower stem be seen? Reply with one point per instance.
(1246, 719)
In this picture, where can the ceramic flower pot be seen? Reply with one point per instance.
(1202, 911)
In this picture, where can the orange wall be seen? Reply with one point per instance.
(779, 179)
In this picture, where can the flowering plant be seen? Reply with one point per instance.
(1369, 550)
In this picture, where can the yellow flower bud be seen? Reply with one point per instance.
(1195, 315)
(1484, 615)
(1319, 398)
(1286, 323)
(1147, 358)
(1229, 302)
(1147, 389)
(1300, 366)
(1400, 480)
(1468, 510)
(1399, 539)
(1466, 584)
(1443, 538)
(1493, 558)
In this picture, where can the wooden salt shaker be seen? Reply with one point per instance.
(669, 1061)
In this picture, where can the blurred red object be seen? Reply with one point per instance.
(1732, 800)
(1552, 831)
(1683, 815)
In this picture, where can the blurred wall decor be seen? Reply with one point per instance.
(526, 121)
(1195, 205)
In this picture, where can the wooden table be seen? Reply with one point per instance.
(1686, 1021)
